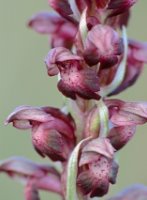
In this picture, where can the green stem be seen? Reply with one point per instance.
(104, 119)
(72, 170)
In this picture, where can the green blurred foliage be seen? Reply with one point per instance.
(24, 81)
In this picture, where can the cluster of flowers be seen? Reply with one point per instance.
(92, 62)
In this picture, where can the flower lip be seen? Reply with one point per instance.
(76, 77)
(96, 168)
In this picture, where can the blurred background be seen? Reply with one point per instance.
(23, 80)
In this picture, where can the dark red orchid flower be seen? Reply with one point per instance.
(52, 130)
(76, 78)
(96, 168)
(124, 117)
(32, 175)
(62, 31)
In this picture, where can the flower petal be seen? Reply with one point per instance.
(127, 113)
(120, 6)
(55, 55)
(24, 168)
(23, 115)
(63, 8)
(50, 142)
(101, 146)
(45, 22)
(121, 135)
(31, 192)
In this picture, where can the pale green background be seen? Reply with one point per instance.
(23, 80)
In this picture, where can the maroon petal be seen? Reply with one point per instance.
(81, 4)
(100, 170)
(76, 77)
(118, 21)
(96, 168)
(121, 135)
(95, 180)
(33, 175)
(102, 3)
(137, 51)
(133, 72)
(63, 8)
(26, 117)
(58, 114)
(62, 32)
(84, 82)
(120, 6)
(85, 182)
(47, 140)
(137, 57)
(49, 183)
(100, 146)
(45, 22)
(65, 35)
(22, 116)
(102, 45)
(127, 113)
(55, 55)
(31, 192)
(23, 168)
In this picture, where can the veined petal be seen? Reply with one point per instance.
(45, 22)
(22, 116)
(127, 113)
